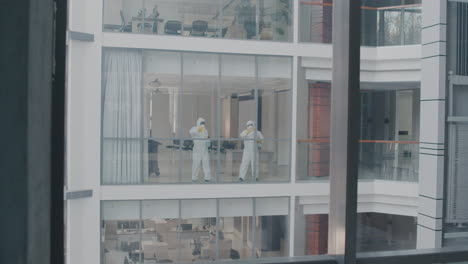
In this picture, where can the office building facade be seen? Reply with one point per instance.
(160, 96)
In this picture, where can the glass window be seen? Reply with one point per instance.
(238, 104)
(271, 227)
(199, 116)
(160, 242)
(194, 230)
(121, 232)
(389, 134)
(162, 82)
(389, 156)
(198, 230)
(390, 23)
(274, 118)
(172, 117)
(389, 142)
(315, 24)
(236, 223)
(384, 23)
(383, 232)
(238, 19)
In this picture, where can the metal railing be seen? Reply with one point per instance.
(378, 160)
(389, 160)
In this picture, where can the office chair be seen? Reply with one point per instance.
(199, 28)
(173, 27)
(124, 27)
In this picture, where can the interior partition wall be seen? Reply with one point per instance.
(153, 103)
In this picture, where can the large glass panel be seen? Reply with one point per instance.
(391, 22)
(198, 230)
(315, 21)
(389, 139)
(389, 148)
(274, 117)
(163, 146)
(271, 227)
(235, 225)
(199, 116)
(257, 19)
(384, 23)
(389, 156)
(121, 232)
(159, 239)
(383, 232)
(171, 117)
(238, 104)
(412, 24)
(388, 160)
(170, 17)
(125, 16)
(232, 19)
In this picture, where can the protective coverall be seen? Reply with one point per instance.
(200, 150)
(252, 142)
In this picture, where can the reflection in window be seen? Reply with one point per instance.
(171, 117)
(231, 19)
(384, 22)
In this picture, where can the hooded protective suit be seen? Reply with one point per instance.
(200, 150)
(252, 142)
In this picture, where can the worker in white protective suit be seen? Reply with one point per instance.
(252, 144)
(200, 150)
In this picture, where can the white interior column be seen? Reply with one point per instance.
(432, 124)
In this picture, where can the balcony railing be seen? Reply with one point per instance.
(381, 26)
(391, 26)
(378, 160)
(230, 19)
(389, 160)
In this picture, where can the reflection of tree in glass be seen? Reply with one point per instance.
(392, 27)
(412, 25)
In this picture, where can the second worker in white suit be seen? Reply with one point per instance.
(252, 144)
(200, 156)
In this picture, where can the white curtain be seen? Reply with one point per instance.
(122, 116)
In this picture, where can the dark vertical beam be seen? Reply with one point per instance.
(57, 223)
(345, 129)
(27, 100)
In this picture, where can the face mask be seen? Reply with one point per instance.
(202, 123)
